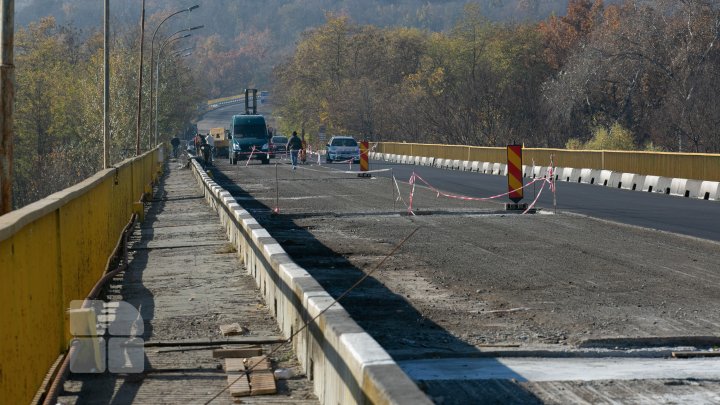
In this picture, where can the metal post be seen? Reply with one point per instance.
(140, 81)
(152, 58)
(157, 92)
(7, 97)
(106, 95)
(552, 179)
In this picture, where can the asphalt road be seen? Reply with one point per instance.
(222, 116)
(467, 286)
(698, 218)
(473, 281)
(685, 216)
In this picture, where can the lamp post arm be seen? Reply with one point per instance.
(152, 56)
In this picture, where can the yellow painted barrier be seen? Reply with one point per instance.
(52, 252)
(220, 100)
(697, 166)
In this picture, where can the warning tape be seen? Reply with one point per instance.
(414, 177)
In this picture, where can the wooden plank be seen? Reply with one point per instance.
(240, 352)
(262, 382)
(249, 340)
(263, 363)
(239, 384)
(687, 355)
(234, 365)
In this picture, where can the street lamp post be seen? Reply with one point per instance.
(152, 56)
(140, 81)
(106, 91)
(157, 72)
(169, 40)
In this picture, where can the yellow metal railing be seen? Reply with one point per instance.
(698, 166)
(220, 100)
(52, 252)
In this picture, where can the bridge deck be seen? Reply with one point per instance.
(186, 281)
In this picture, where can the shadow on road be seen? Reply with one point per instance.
(388, 317)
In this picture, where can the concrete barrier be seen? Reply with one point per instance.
(604, 178)
(455, 164)
(416, 160)
(709, 190)
(423, 161)
(685, 188)
(439, 163)
(475, 166)
(487, 167)
(540, 172)
(589, 176)
(346, 365)
(631, 181)
(466, 166)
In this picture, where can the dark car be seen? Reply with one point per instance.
(249, 136)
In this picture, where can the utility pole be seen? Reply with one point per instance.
(106, 95)
(7, 98)
(140, 81)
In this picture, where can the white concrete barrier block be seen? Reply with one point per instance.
(540, 172)
(487, 167)
(366, 349)
(615, 179)
(574, 174)
(456, 164)
(465, 165)
(260, 233)
(709, 190)
(677, 186)
(692, 188)
(495, 168)
(527, 171)
(439, 163)
(417, 160)
(605, 177)
(431, 161)
(475, 166)
(446, 163)
(273, 249)
(404, 159)
(651, 184)
(631, 181)
(423, 161)
(249, 221)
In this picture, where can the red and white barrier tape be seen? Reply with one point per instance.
(439, 193)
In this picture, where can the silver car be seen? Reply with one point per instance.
(342, 148)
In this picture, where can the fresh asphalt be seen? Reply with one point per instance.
(687, 216)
